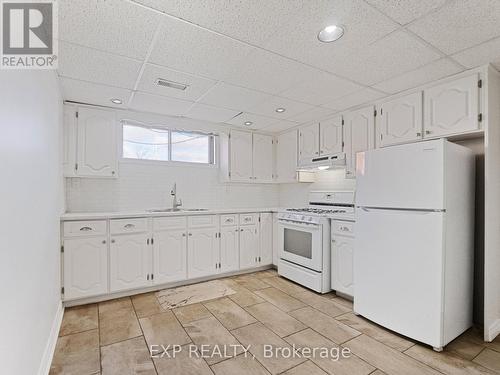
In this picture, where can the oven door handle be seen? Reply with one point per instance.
(298, 224)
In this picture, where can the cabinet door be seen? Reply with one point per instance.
(286, 157)
(170, 256)
(266, 239)
(308, 142)
(249, 246)
(85, 267)
(276, 243)
(359, 135)
(241, 156)
(97, 143)
(400, 120)
(343, 266)
(130, 262)
(229, 249)
(452, 107)
(330, 136)
(262, 158)
(69, 141)
(203, 252)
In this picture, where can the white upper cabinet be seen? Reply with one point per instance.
(241, 151)
(130, 261)
(85, 267)
(286, 157)
(170, 256)
(262, 158)
(203, 252)
(400, 120)
(359, 135)
(308, 142)
(330, 136)
(452, 107)
(96, 143)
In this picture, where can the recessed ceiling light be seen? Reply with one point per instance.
(248, 123)
(280, 110)
(331, 33)
(116, 101)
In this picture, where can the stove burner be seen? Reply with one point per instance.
(317, 210)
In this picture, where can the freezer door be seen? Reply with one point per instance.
(398, 271)
(406, 176)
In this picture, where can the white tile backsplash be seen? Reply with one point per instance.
(146, 185)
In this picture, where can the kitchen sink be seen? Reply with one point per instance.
(177, 209)
(165, 210)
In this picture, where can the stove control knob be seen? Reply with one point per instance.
(302, 217)
(310, 219)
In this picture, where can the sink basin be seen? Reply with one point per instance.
(165, 210)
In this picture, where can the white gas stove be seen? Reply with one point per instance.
(304, 238)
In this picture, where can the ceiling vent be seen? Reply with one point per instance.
(171, 84)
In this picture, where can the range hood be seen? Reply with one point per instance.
(336, 161)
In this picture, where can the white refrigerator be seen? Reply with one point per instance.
(413, 254)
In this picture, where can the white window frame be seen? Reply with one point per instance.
(214, 154)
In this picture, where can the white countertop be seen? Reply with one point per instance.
(127, 214)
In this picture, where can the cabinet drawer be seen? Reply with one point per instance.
(343, 228)
(228, 220)
(202, 221)
(167, 223)
(84, 228)
(122, 226)
(249, 219)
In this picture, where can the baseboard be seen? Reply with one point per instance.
(48, 354)
(492, 331)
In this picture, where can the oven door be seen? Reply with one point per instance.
(301, 243)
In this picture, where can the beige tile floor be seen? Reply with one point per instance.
(113, 337)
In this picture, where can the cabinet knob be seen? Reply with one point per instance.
(112, 172)
(112, 241)
(183, 234)
(428, 132)
(103, 242)
(419, 134)
(190, 234)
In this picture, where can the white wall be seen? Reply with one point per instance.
(296, 195)
(30, 191)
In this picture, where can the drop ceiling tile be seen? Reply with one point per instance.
(209, 113)
(266, 71)
(268, 108)
(460, 24)
(314, 114)
(92, 93)
(320, 87)
(427, 73)
(233, 97)
(297, 38)
(258, 122)
(197, 86)
(405, 11)
(485, 53)
(95, 66)
(280, 126)
(160, 104)
(392, 55)
(251, 21)
(188, 48)
(364, 96)
(114, 26)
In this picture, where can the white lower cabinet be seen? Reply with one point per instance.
(130, 261)
(266, 239)
(170, 256)
(85, 267)
(249, 246)
(203, 252)
(342, 257)
(229, 249)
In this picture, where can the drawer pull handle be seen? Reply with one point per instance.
(85, 229)
(229, 220)
(247, 219)
(129, 226)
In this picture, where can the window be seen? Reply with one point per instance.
(160, 144)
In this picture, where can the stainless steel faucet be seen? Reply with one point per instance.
(175, 202)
